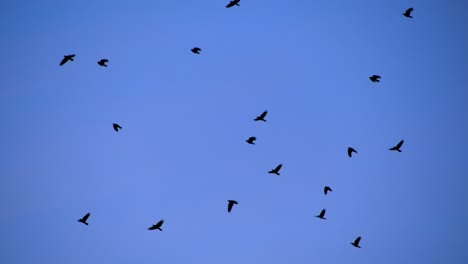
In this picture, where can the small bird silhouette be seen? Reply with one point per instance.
(233, 3)
(326, 189)
(67, 58)
(375, 78)
(251, 140)
(196, 50)
(103, 62)
(350, 151)
(322, 215)
(276, 170)
(83, 220)
(231, 204)
(356, 242)
(116, 127)
(157, 226)
(261, 117)
(407, 13)
(398, 146)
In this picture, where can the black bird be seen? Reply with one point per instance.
(326, 189)
(350, 151)
(233, 3)
(83, 220)
(356, 242)
(103, 62)
(251, 140)
(276, 170)
(407, 13)
(157, 226)
(375, 78)
(398, 146)
(261, 117)
(231, 204)
(322, 215)
(196, 50)
(116, 127)
(67, 58)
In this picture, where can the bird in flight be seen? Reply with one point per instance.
(83, 220)
(356, 242)
(196, 50)
(261, 117)
(157, 226)
(398, 146)
(116, 127)
(231, 204)
(233, 3)
(103, 62)
(375, 78)
(251, 140)
(276, 170)
(350, 151)
(407, 13)
(66, 58)
(327, 189)
(322, 215)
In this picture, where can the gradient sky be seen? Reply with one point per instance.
(182, 153)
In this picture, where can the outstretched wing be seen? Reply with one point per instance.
(326, 189)
(86, 217)
(322, 214)
(263, 114)
(278, 167)
(64, 60)
(160, 223)
(350, 151)
(357, 240)
(409, 10)
(400, 144)
(230, 205)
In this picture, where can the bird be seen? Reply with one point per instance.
(350, 151)
(116, 127)
(83, 220)
(233, 3)
(251, 140)
(157, 226)
(196, 50)
(398, 146)
(407, 13)
(66, 58)
(375, 78)
(356, 242)
(231, 204)
(276, 170)
(322, 215)
(103, 62)
(326, 189)
(261, 117)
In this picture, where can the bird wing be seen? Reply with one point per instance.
(230, 206)
(159, 224)
(400, 143)
(322, 214)
(86, 217)
(64, 60)
(104, 60)
(278, 167)
(409, 10)
(350, 150)
(326, 189)
(263, 114)
(357, 240)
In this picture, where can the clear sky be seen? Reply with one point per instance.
(181, 153)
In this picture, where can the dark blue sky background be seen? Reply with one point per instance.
(182, 153)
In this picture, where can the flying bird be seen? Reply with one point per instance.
(322, 215)
(261, 117)
(103, 62)
(276, 170)
(83, 220)
(196, 50)
(375, 78)
(251, 140)
(116, 127)
(327, 189)
(233, 3)
(356, 242)
(398, 146)
(67, 58)
(231, 204)
(350, 151)
(407, 13)
(157, 226)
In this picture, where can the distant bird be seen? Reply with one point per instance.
(407, 13)
(375, 78)
(83, 220)
(356, 242)
(350, 151)
(251, 140)
(157, 226)
(276, 170)
(398, 146)
(103, 62)
(233, 3)
(116, 127)
(196, 50)
(231, 204)
(326, 189)
(261, 117)
(322, 215)
(67, 58)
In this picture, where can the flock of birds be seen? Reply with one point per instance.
(250, 140)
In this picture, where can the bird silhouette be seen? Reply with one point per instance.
(375, 78)
(83, 220)
(231, 204)
(350, 151)
(67, 58)
(276, 170)
(157, 226)
(356, 242)
(251, 140)
(261, 117)
(322, 215)
(407, 13)
(116, 127)
(103, 62)
(327, 189)
(196, 50)
(398, 146)
(233, 3)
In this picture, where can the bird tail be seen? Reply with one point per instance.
(237, 5)
(71, 59)
(398, 150)
(160, 229)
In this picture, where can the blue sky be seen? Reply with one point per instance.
(181, 153)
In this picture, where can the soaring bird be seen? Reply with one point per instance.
(196, 50)
(398, 146)
(231, 204)
(375, 78)
(276, 170)
(116, 127)
(103, 62)
(407, 13)
(83, 220)
(322, 215)
(157, 226)
(261, 117)
(356, 242)
(233, 3)
(326, 189)
(350, 151)
(67, 58)
(251, 140)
